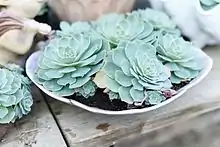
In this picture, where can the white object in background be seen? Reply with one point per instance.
(31, 66)
(209, 20)
(200, 26)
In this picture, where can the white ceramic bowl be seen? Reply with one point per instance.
(31, 66)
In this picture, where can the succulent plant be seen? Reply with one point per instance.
(70, 60)
(118, 27)
(132, 68)
(154, 97)
(159, 20)
(15, 97)
(181, 58)
(68, 29)
(209, 4)
(146, 25)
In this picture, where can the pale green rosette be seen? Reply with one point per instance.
(132, 69)
(181, 58)
(119, 27)
(70, 60)
(159, 20)
(14, 90)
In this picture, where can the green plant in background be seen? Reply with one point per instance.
(118, 27)
(75, 28)
(180, 56)
(159, 20)
(15, 96)
(209, 4)
(133, 68)
(69, 62)
(146, 25)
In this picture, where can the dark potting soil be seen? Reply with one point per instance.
(178, 86)
(101, 100)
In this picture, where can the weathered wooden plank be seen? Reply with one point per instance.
(82, 128)
(38, 129)
(200, 130)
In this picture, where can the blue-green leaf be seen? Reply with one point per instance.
(122, 79)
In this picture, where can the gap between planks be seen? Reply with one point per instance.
(55, 119)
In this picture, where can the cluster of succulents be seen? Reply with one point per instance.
(209, 4)
(135, 57)
(15, 96)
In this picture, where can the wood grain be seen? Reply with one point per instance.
(4, 129)
(201, 130)
(38, 129)
(82, 128)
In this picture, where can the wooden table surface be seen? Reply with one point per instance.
(192, 120)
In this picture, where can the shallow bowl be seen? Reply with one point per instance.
(31, 66)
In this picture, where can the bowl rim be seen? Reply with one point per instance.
(205, 71)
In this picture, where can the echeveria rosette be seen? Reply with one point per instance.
(181, 58)
(24, 106)
(69, 62)
(119, 27)
(209, 4)
(160, 21)
(13, 84)
(19, 71)
(154, 97)
(133, 68)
